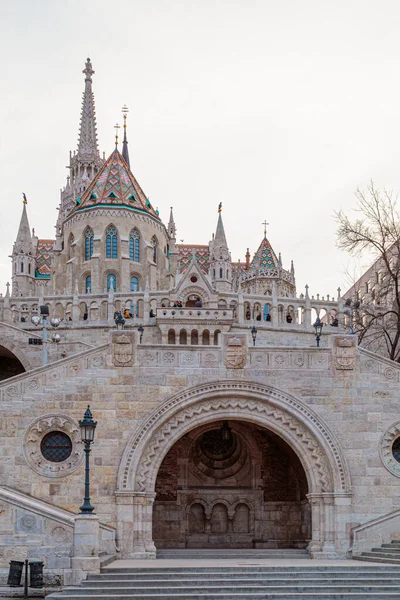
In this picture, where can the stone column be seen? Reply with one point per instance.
(328, 523)
(86, 549)
(135, 524)
(315, 544)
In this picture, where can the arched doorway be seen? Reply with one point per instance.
(282, 414)
(231, 484)
(10, 365)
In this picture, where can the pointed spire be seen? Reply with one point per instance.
(171, 226)
(87, 143)
(125, 153)
(220, 239)
(24, 238)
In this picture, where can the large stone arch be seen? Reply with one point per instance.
(288, 417)
(284, 414)
(11, 350)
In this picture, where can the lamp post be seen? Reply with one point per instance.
(54, 322)
(254, 334)
(140, 330)
(318, 330)
(88, 427)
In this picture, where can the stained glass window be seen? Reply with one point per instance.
(134, 245)
(111, 242)
(88, 284)
(154, 244)
(89, 237)
(134, 284)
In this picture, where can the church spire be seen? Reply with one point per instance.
(23, 243)
(220, 238)
(171, 226)
(125, 153)
(87, 143)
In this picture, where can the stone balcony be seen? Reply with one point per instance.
(222, 315)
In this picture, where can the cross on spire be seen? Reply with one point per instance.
(265, 227)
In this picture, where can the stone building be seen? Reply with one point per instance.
(221, 424)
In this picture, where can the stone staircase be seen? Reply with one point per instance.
(387, 553)
(229, 553)
(240, 582)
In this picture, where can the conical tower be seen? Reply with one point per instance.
(23, 258)
(220, 259)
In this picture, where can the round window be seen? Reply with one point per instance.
(56, 446)
(396, 449)
(193, 279)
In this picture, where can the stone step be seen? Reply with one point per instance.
(284, 582)
(250, 570)
(371, 557)
(235, 596)
(152, 579)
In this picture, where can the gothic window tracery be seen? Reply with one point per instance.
(134, 245)
(111, 242)
(89, 240)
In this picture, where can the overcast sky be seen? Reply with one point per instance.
(279, 109)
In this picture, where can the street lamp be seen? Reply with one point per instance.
(318, 330)
(54, 322)
(141, 330)
(254, 334)
(88, 427)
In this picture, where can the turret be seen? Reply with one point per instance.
(23, 258)
(220, 259)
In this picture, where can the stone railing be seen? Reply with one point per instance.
(381, 530)
(194, 314)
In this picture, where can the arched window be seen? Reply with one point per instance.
(111, 242)
(22, 267)
(134, 310)
(267, 315)
(29, 268)
(220, 273)
(88, 284)
(154, 244)
(134, 284)
(111, 282)
(134, 245)
(89, 237)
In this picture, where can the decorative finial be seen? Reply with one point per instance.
(88, 71)
(116, 127)
(220, 207)
(25, 201)
(125, 111)
(265, 227)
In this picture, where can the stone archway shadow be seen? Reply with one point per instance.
(291, 419)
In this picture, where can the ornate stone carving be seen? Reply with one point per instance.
(33, 438)
(345, 353)
(33, 384)
(235, 350)
(123, 349)
(97, 360)
(386, 452)
(156, 448)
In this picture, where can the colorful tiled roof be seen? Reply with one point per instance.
(185, 255)
(115, 185)
(265, 257)
(44, 254)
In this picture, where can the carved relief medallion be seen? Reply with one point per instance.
(345, 353)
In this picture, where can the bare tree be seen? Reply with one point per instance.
(374, 309)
